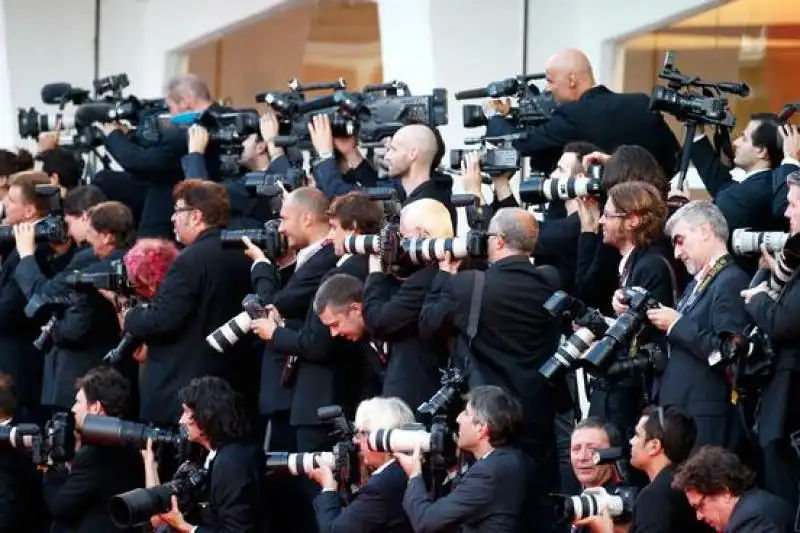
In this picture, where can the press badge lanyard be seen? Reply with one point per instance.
(723, 262)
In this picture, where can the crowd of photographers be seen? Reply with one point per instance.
(272, 323)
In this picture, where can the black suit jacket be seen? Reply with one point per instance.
(235, 490)
(661, 509)
(689, 382)
(778, 319)
(376, 507)
(79, 498)
(758, 511)
(604, 118)
(293, 299)
(202, 290)
(515, 336)
(391, 314)
(328, 369)
(18, 357)
(489, 498)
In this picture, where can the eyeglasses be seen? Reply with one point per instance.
(698, 505)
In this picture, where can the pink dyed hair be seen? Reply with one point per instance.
(149, 259)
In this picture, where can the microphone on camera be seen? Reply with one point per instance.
(56, 93)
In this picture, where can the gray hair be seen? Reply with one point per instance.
(339, 290)
(499, 410)
(697, 213)
(517, 227)
(793, 178)
(188, 86)
(383, 413)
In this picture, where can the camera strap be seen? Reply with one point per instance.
(478, 282)
(689, 300)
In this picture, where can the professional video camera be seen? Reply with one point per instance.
(703, 105)
(533, 106)
(623, 329)
(135, 507)
(271, 185)
(591, 324)
(115, 281)
(746, 241)
(110, 431)
(52, 228)
(504, 158)
(268, 239)
(31, 123)
(375, 113)
(224, 337)
(539, 189)
(56, 443)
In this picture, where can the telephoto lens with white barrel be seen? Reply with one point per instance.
(568, 354)
(592, 502)
(224, 337)
(745, 241)
(299, 464)
(362, 244)
(398, 440)
(423, 251)
(543, 190)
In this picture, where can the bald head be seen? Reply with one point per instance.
(569, 75)
(518, 229)
(310, 200)
(426, 216)
(418, 143)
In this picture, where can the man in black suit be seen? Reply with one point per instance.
(78, 494)
(778, 417)
(695, 378)
(202, 289)
(21, 504)
(18, 357)
(154, 167)
(663, 438)
(591, 112)
(515, 334)
(723, 493)
(304, 223)
(214, 416)
(632, 222)
(328, 369)
(491, 497)
(748, 203)
(378, 504)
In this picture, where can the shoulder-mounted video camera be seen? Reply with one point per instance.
(533, 107)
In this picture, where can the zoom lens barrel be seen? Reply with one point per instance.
(362, 244)
(430, 250)
(542, 190)
(224, 337)
(299, 464)
(744, 241)
(398, 440)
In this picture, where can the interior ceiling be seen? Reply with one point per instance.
(769, 23)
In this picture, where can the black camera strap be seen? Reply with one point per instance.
(689, 300)
(478, 282)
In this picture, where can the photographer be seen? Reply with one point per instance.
(589, 436)
(78, 493)
(392, 306)
(340, 165)
(65, 168)
(30, 278)
(18, 357)
(632, 220)
(589, 112)
(21, 504)
(329, 370)
(723, 493)
(10, 164)
(710, 307)
(202, 289)
(514, 335)
(155, 167)
(304, 224)
(778, 417)
(214, 417)
(747, 203)
(377, 506)
(491, 496)
(88, 328)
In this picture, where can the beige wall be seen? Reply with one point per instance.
(305, 42)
